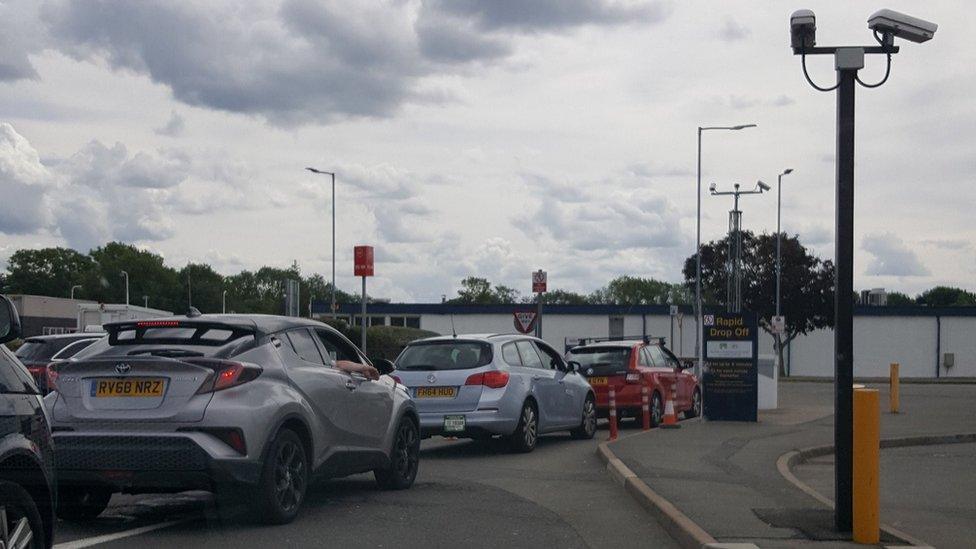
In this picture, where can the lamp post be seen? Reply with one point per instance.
(779, 202)
(885, 25)
(145, 301)
(223, 302)
(734, 296)
(333, 305)
(73, 288)
(126, 276)
(698, 299)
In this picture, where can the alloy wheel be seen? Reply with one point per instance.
(528, 419)
(696, 404)
(589, 417)
(657, 414)
(15, 531)
(290, 476)
(406, 453)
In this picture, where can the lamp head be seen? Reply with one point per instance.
(711, 188)
(787, 171)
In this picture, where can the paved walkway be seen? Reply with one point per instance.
(724, 477)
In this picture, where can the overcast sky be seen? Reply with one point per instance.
(474, 138)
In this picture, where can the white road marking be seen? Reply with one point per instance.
(88, 542)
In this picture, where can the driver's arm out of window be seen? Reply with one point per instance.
(364, 370)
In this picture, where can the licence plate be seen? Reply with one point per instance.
(436, 392)
(130, 387)
(453, 424)
(602, 380)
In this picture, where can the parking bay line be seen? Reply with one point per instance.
(88, 542)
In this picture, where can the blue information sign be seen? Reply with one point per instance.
(731, 366)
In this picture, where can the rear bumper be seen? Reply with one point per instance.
(477, 423)
(147, 463)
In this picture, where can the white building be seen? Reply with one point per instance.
(926, 342)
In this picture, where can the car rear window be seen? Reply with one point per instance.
(35, 350)
(444, 355)
(601, 361)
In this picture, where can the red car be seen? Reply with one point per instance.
(627, 365)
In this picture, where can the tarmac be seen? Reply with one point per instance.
(769, 484)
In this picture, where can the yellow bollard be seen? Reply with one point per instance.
(867, 449)
(893, 386)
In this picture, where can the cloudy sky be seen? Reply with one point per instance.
(473, 138)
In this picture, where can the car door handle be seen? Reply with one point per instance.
(537, 378)
(350, 384)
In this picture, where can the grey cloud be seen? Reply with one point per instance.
(733, 31)
(552, 14)
(648, 170)
(22, 176)
(891, 257)
(174, 127)
(20, 36)
(954, 244)
(452, 40)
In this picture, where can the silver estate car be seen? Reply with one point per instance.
(479, 386)
(247, 406)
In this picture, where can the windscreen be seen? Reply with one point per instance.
(444, 355)
(36, 350)
(601, 361)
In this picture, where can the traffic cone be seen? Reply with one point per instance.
(670, 418)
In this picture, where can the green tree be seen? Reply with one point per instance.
(564, 297)
(807, 299)
(898, 299)
(47, 271)
(946, 296)
(204, 285)
(632, 290)
(148, 276)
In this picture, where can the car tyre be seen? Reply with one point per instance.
(527, 432)
(404, 460)
(20, 521)
(284, 480)
(657, 409)
(696, 404)
(587, 428)
(82, 502)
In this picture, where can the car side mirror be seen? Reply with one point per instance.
(574, 366)
(384, 366)
(9, 320)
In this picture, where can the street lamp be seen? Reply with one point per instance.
(73, 288)
(779, 202)
(734, 287)
(223, 302)
(698, 299)
(313, 170)
(126, 276)
(886, 25)
(145, 301)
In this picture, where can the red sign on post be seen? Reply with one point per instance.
(539, 282)
(363, 261)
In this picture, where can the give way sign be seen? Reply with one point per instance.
(524, 321)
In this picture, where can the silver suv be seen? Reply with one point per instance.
(479, 386)
(224, 403)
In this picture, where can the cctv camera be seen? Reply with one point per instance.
(711, 188)
(803, 30)
(901, 25)
(763, 186)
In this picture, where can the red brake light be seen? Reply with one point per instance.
(226, 374)
(494, 379)
(52, 377)
(397, 379)
(158, 324)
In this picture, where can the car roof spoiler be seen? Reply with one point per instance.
(201, 327)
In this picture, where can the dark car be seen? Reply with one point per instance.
(27, 483)
(39, 351)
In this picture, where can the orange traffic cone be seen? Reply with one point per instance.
(670, 418)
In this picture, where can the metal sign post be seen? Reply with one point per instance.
(363, 257)
(539, 287)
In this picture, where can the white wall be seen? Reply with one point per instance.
(878, 340)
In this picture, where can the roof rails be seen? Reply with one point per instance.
(646, 338)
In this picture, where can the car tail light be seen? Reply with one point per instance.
(51, 372)
(495, 379)
(226, 374)
(633, 377)
(396, 379)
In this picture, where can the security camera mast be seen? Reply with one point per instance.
(886, 25)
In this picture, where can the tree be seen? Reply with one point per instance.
(946, 296)
(564, 297)
(632, 290)
(898, 299)
(807, 299)
(148, 276)
(47, 271)
(205, 285)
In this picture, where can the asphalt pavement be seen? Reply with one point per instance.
(467, 494)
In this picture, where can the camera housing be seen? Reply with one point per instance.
(803, 30)
(901, 25)
(763, 186)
